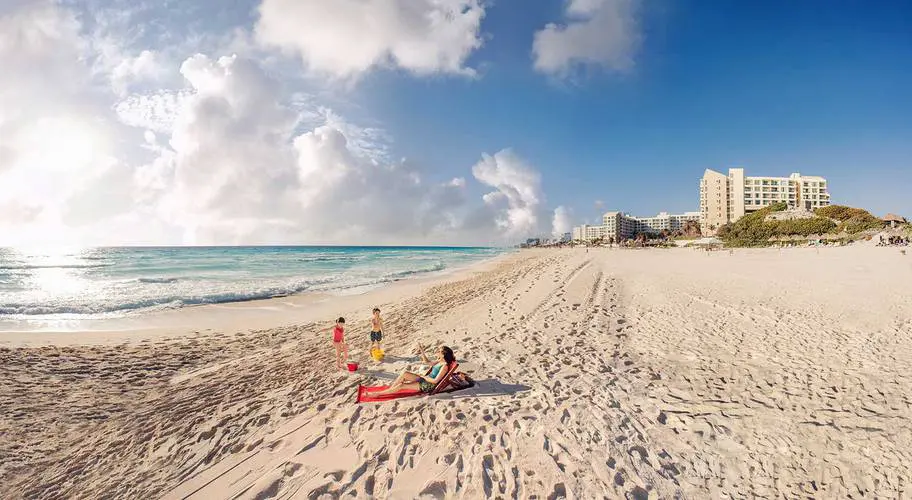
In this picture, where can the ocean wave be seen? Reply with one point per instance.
(328, 259)
(19, 267)
(438, 266)
(175, 282)
(157, 280)
(166, 302)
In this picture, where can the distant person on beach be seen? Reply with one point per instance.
(339, 342)
(376, 334)
(425, 383)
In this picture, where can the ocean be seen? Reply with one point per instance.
(118, 281)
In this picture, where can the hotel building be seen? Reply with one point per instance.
(666, 222)
(618, 226)
(725, 199)
(588, 233)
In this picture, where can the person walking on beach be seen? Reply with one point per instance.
(376, 334)
(339, 343)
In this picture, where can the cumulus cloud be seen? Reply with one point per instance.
(146, 66)
(345, 38)
(562, 221)
(101, 145)
(40, 52)
(236, 172)
(517, 196)
(599, 33)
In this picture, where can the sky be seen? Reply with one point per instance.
(431, 121)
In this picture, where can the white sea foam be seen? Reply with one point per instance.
(117, 281)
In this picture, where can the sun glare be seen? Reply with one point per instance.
(61, 144)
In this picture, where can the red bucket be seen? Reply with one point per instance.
(352, 366)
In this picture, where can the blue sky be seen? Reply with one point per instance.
(432, 122)
(817, 87)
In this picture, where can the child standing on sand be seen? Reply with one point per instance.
(376, 329)
(339, 343)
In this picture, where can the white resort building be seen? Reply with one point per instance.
(588, 233)
(666, 222)
(618, 226)
(725, 199)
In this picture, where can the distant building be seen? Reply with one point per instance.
(618, 226)
(725, 199)
(588, 233)
(666, 222)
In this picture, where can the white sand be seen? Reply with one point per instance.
(662, 373)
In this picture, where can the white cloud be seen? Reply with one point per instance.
(601, 33)
(370, 142)
(345, 38)
(518, 195)
(99, 148)
(40, 55)
(142, 68)
(237, 173)
(562, 221)
(154, 111)
(55, 144)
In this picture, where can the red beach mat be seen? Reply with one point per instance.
(368, 394)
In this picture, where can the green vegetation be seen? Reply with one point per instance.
(802, 227)
(754, 230)
(851, 220)
(840, 213)
(856, 225)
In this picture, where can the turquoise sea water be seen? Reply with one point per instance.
(106, 282)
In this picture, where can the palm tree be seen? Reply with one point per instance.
(692, 228)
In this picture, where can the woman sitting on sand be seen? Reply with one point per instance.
(425, 383)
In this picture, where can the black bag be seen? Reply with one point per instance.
(460, 380)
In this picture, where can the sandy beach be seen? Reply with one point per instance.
(607, 373)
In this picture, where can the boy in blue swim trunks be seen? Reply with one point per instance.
(376, 329)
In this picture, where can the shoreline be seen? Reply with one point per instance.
(256, 314)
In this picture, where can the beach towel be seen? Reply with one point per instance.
(368, 394)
